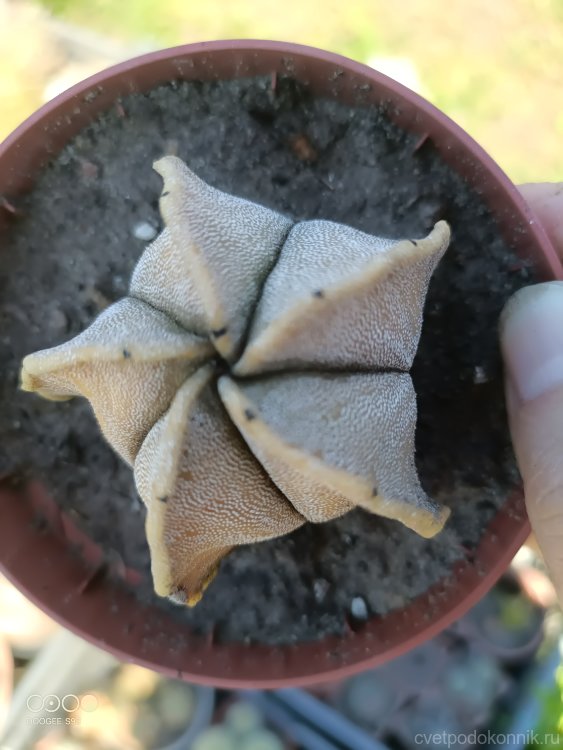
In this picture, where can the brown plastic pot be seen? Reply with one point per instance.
(6, 680)
(73, 589)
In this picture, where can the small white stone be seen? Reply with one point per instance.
(57, 320)
(479, 375)
(144, 231)
(358, 608)
(320, 589)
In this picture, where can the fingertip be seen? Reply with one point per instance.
(531, 334)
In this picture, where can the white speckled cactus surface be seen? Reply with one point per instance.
(255, 378)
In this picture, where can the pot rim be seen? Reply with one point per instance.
(6, 680)
(62, 587)
(331, 58)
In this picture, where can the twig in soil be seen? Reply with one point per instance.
(97, 297)
(211, 637)
(420, 142)
(324, 182)
(303, 148)
(9, 207)
(91, 578)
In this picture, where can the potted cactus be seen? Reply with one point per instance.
(238, 437)
(253, 364)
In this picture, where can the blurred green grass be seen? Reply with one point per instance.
(550, 726)
(496, 68)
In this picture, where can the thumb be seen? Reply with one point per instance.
(532, 344)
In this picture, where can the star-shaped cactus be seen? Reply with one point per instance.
(256, 377)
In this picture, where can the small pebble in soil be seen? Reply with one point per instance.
(144, 231)
(320, 589)
(57, 320)
(479, 375)
(358, 608)
(89, 170)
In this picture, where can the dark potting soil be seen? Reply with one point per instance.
(72, 251)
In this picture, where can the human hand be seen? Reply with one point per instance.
(532, 344)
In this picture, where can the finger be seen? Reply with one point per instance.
(546, 199)
(532, 345)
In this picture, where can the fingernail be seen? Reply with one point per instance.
(531, 332)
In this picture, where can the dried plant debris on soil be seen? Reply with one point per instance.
(71, 252)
